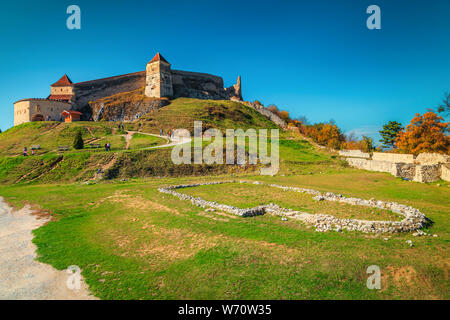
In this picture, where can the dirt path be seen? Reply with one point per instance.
(21, 276)
(170, 141)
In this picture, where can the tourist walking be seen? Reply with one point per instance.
(25, 151)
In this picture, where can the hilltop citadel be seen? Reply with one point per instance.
(159, 80)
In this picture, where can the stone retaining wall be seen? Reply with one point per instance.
(393, 157)
(354, 153)
(372, 165)
(426, 167)
(431, 158)
(427, 173)
(445, 172)
(413, 218)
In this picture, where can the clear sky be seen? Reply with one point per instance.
(313, 58)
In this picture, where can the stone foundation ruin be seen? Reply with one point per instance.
(413, 218)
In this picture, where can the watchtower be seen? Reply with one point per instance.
(158, 78)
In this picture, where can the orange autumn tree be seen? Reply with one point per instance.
(425, 133)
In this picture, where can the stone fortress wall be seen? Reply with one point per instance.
(87, 91)
(28, 110)
(159, 80)
(426, 167)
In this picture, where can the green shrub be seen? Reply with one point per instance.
(78, 142)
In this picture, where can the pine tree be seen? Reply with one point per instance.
(389, 133)
(78, 142)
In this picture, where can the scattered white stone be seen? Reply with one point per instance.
(413, 218)
(410, 243)
(284, 219)
(435, 235)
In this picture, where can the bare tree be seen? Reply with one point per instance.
(445, 106)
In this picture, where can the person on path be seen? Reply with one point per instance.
(25, 151)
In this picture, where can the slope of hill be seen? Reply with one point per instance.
(155, 114)
(131, 158)
(49, 135)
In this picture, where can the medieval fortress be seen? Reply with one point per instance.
(159, 80)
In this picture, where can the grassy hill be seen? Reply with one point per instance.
(50, 135)
(221, 114)
(133, 242)
(132, 159)
(181, 113)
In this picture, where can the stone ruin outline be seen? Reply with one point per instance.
(413, 219)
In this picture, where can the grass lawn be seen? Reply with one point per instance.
(255, 195)
(140, 141)
(50, 135)
(133, 242)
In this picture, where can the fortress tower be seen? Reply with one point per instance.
(158, 81)
(62, 90)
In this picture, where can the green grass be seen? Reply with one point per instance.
(49, 135)
(140, 141)
(255, 195)
(182, 112)
(133, 242)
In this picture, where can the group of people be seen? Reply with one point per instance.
(25, 151)
(169, 134)
(120, 126)
(108, 146)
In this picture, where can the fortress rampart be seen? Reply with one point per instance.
(159, 80)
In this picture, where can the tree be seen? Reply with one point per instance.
(326, 134)
(367, 144)
(445, 106)
(389, 133)
(78, 142)
(425, 133)
(303, 120)
(273, 108)
(285, 116)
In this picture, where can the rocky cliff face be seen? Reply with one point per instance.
(126, 106)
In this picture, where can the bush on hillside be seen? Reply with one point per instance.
(78, 142)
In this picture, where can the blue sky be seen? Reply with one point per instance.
(313, 58)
